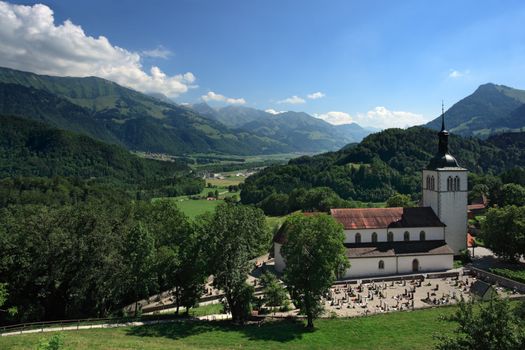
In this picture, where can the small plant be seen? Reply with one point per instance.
(56, 342)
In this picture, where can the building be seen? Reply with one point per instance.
(389, 241)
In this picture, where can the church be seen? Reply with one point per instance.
(390, 241)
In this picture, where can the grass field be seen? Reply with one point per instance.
(193, 208)
(399, 330)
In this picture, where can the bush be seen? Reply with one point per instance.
(516, 275)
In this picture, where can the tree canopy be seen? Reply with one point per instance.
(315, 256)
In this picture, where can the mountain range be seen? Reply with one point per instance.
(490, 109)
(111, 113)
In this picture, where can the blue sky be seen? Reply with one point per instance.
(379, 63)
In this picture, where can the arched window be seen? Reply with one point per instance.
(432, 183)
(358, 237)
(381, 265)
(449, 183)
(456, 183)
(406, 236)
(390, 236)
(374, 237)
(428, 182)
(422, 236)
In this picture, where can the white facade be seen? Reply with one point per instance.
(370, 267)
(398, 234)
(447, 194)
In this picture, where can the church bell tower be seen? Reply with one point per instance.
(444, 185)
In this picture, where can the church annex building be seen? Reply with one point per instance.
(389, 241)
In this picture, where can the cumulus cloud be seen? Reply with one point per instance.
(316, 95)
(294, 100)
(273, 111)
(212, 96)
(30, 40)
(158, 52)
(381, 117)
(335, 118)
(454, 74)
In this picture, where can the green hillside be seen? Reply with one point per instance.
(29, 148)
(112, 113)
(490, 109)
(381, 165)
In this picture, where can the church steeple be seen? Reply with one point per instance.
(443, 134)
(442, 159)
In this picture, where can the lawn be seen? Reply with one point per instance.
(192, 208)
(400, 330)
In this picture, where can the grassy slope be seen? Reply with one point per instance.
(401, 330)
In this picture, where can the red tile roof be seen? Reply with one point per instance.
(369, 218)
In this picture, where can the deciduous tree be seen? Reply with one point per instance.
(315, 256)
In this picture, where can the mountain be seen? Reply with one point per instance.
(30, 148)
(109, 112)
(381, 165)
(297, 128)
(490, 109)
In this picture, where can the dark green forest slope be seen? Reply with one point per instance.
(381, 165)
(31, 151)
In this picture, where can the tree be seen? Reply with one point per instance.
(399, 200)
(274, 292)
(315, 256)
(512, 194)
(235, 234)
(503, 231)
(3, 298)
(494, 326)
(139, 256)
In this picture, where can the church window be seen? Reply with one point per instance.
(456, 183)
(390, 236)
(433, 183)
(374, 237)
(428, 182)
(422, 236)
(358, 237)
(381, 265)
(449, 183)
(406, 236)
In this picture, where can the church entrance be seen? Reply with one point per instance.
(415, 265)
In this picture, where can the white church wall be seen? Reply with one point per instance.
(367, 267)
(431, 233)
(279, 260)
(427, 263)
(430, 197)
(453, 210)
(366, 235)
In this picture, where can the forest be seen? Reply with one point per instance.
(382, 165)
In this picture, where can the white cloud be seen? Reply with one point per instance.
(30, 40)
(294, 100)
(454, 74)
(316, 95)
(212, 96)
(381, 117)
(335, 118)
(158, 52)
(273, 111)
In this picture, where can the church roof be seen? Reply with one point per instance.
(442, 161)
(388, 249)
(375, 218)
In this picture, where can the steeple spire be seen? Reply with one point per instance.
(443, 134)
(442, 116)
